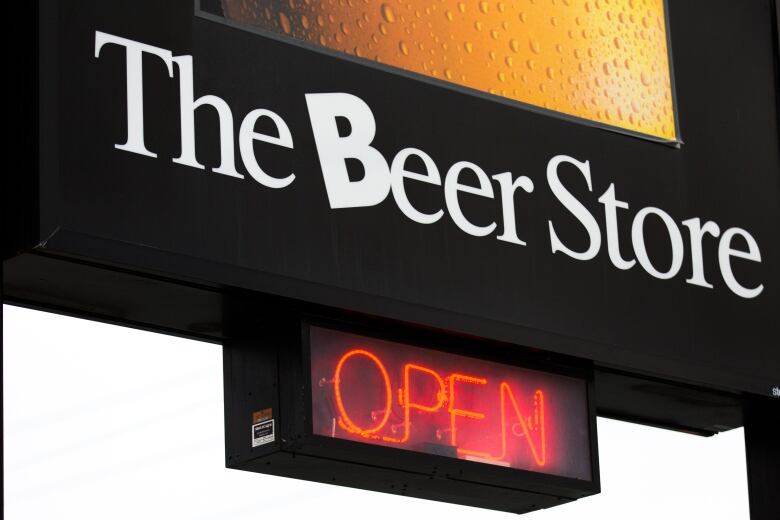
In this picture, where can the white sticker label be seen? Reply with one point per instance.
(263, 433)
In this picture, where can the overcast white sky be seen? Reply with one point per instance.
(103, 422)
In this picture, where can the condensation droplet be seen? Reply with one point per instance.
(285, 23)
(387, 13)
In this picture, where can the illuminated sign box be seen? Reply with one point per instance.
(356, 410)
(394, 395)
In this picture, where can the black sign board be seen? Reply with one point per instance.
(154, 206)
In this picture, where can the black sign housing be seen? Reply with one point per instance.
(267, 378)
(105, 233)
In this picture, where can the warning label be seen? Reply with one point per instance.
(262, 428)
(262, 433)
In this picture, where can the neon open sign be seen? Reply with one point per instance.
(390, 394)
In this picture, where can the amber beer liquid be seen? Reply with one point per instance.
(602, 60)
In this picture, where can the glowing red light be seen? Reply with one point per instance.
(459, 412)
(410, 405)
(344, 420)
(538, 449)
(427, 401)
